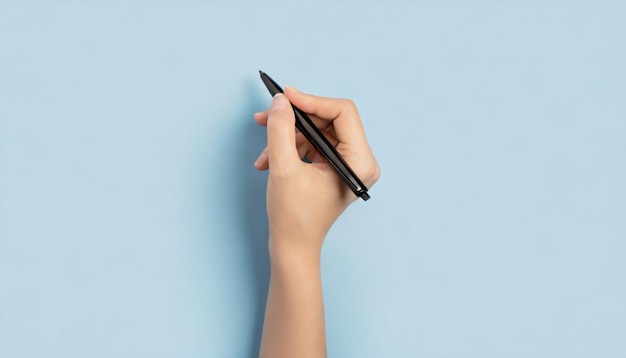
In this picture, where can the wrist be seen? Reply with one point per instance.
(295, 248)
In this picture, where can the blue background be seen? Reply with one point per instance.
(132, 222)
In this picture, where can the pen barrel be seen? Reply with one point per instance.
(329, 152)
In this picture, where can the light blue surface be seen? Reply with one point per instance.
(132, 223)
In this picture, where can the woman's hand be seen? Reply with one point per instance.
(305, 199)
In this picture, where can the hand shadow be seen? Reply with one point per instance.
(250, 205)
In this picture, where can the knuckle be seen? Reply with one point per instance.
(372, 173)
(273, 113)
(348, 104)
(377, 173)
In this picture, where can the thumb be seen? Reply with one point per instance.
(281, 134)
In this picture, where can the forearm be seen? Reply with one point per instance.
(294, 316)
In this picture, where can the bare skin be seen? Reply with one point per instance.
(303, 201)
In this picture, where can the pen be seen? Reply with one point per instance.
(317, 139)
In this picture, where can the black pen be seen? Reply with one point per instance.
(317, 139)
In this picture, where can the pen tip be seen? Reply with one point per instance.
(260, 72)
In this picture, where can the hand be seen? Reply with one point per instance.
(305, 199)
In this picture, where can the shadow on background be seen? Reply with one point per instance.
(250, 204)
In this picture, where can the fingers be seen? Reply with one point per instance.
(341, 113)
(305, 149)
(261, 118)
(262, 162)
(338, 119)
(281, 135)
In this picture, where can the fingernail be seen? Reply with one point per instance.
(293, 88)
(278, 102)
(257, 115)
